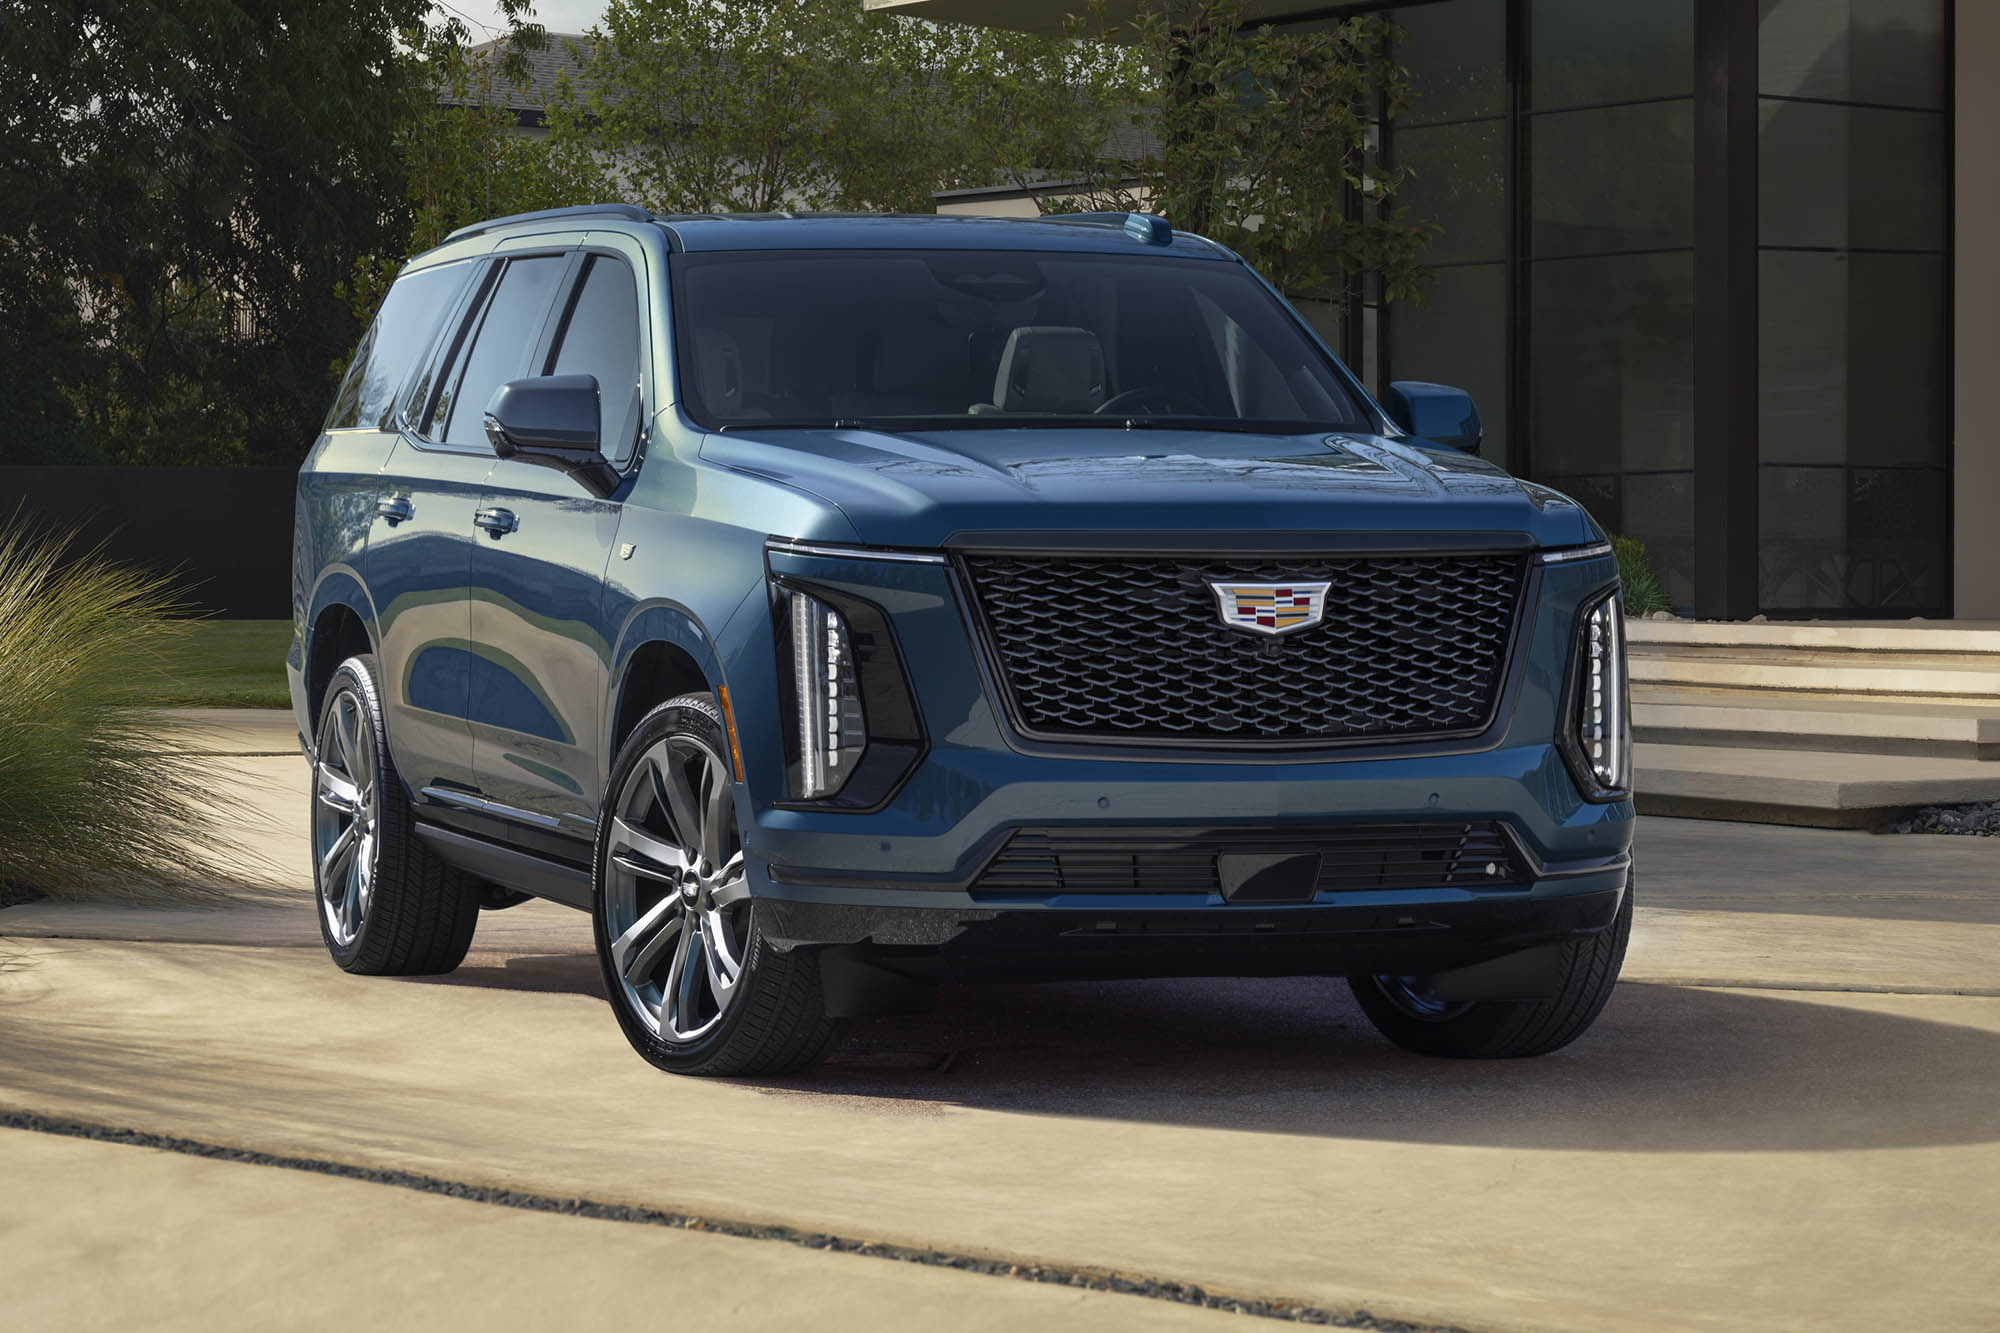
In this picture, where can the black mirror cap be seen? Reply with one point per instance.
(552, 421)
(1435, 412)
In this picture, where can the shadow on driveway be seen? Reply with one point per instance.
(1667, 1068)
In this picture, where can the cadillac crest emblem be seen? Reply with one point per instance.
(1271, 608)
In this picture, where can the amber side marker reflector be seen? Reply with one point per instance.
(729, 724)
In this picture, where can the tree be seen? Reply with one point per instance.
(186, 185)
(1264, 139)
(461, 156)
(760, 105)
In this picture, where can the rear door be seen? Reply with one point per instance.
(421, 565)
(539, 612)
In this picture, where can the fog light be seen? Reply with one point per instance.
(833, 730)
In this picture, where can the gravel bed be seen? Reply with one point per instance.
(1979, 821)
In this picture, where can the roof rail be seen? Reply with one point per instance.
(629, 212)
(1147, 227)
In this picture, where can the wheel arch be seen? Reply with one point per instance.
(338, 627)
(663, 651)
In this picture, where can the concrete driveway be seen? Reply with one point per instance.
(1789, 1117)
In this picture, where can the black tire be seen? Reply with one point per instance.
(1503, 1029)
(775, 1020)
(416, 915)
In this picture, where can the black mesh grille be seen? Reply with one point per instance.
(1136, 648)
(1154, 860)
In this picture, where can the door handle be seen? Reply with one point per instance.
(496, 521)
(395, 508)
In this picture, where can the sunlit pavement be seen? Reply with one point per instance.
(1787, 1118)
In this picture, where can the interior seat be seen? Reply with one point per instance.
(1050, 368)
(918, 370)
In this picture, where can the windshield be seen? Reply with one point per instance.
(973, 339)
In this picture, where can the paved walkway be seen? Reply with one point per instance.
(1789, 1117)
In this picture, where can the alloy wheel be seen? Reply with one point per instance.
(347, 807)
(676, 903)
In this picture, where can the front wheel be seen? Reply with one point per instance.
(1408, 1012)
(696, 986)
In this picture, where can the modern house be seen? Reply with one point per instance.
(1698, 268)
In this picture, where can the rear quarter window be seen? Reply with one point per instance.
(388, 352)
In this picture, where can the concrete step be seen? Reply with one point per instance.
(1832, 789)
(1771, 719)
(1910, 675)
(1932, 636)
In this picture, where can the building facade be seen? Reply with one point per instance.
(1696, 264)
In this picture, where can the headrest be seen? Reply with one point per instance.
(1050, 368)
(720, 361)
(922, 359)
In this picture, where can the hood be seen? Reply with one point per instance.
(925, 488)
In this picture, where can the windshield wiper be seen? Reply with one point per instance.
(1050, 421)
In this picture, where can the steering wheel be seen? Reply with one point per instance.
(1162, 398)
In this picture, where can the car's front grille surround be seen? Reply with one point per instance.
(1354, 858)
(1133, 648)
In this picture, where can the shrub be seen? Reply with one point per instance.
(99, 795)
(1644, 593)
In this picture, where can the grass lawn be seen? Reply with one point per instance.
(221, 664)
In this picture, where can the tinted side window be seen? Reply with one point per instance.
(400, 334)
(601, 338)
(500, 348)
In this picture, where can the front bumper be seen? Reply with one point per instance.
(901, 881)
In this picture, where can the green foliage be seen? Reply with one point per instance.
(98, 797)
(217, 664)
(762, 105)
(1265, 142)
(1641, 587)
(187, 184)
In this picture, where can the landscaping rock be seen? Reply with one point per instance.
(1979, 821)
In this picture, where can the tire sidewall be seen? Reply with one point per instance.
(699, 717)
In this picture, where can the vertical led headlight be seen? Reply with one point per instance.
(1599, 739)
(832, 728)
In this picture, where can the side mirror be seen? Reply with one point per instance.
(1436, 412)
(552, 422)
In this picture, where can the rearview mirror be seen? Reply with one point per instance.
(1435, 412)
(552, 422)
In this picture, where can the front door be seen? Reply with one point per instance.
(538, 610)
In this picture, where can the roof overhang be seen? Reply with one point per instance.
(1048, 16)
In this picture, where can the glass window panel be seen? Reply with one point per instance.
(388, 353)
(1851, 365)
(500, 349)
(1659, 511)
(1895, 523)
(1802, 543)
(1852, 539)
(1889, 51)
(1458, 180)
(1456, 55)
(1851, 176)
(1582, 52)
(1615, 179)
(1460, 339)
(601, 338)
(1612, 358)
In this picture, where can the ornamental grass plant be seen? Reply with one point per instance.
(100, 796)
(1640, 584)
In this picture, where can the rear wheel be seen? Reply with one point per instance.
(1409, 1012)
(696, 987)
(387, 905)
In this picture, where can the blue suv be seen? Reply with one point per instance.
(835, 606)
